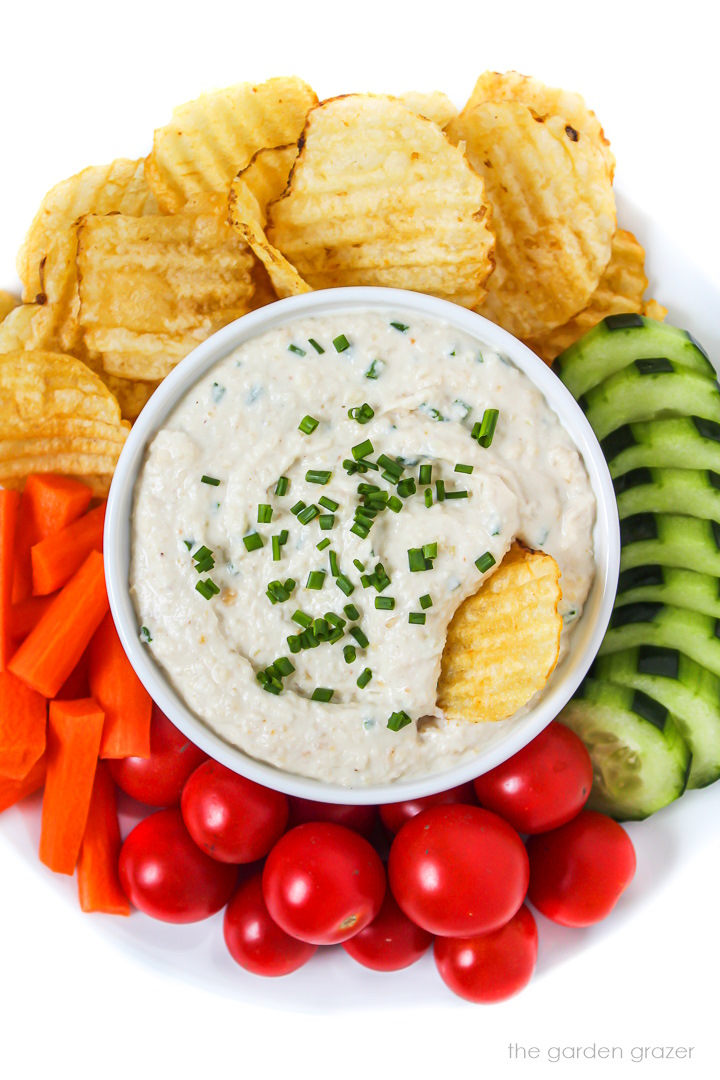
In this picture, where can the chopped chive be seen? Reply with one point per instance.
(398, 720)
(284, 666)
(428, 497)
(440, 490)
(417, 617)
(271, 687)
(321, 630)
(207, 588)
(363, 414)
(359, 636)
(336, 635)
(202, 554)
(188, 544)
(367, 514)
(329, 504)
(316, 579)
(402, 327)
(351, 467)
(335, 620)
(323, 543)
(253, 541)
(211, 480)
(485, 561)
(205, 565)
(407, 487)
(375, 369)
(368, 489)
(341, 343)
(352, 612)
(334, 565)
(362, 449)
(385, 603)
(271, 598)
(476, 429)
(464, 468)
(284, 534)
(426, 601)
(430, 550)
(345, 585)
(276, 554)
(365, 463)
(308, 514)
(296, 349)
(327, 521)
(290, 584)
(318, 348)
(308, 424)
(299, 505)
(416, 560)
(392, 466)
(322, 693)
(318, 476)
(278, 592)
(364, 678)
(425, 475)
(394, 504)
(293, 641)
(282, 486)
(366, 580)
(145, 635)
(302, 619)
(265, 513)
(487, 427)
(360, 530)
(358, 565)
(459, 494)
(349, 653)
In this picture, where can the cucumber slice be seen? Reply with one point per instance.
(640, 759)
(670, 585)
(686, 689)
(646, 390)
(669, 491)
(665, 626)
(687, 443)
(670, 540)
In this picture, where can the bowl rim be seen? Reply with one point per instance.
(606, 537)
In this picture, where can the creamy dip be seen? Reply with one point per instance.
(278, 407)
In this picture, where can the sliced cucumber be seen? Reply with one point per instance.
(665, 626)
(640, 759)
(694, 492)
(658, 389)
(670, 585)
(684, 443)
(670, 540)
(689, 691)
(617, 341)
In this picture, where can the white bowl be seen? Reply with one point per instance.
(504, 739)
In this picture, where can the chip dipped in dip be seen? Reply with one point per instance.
(312, 514)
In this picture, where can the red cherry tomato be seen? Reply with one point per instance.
(159, 779)
(458, 870)
(323, 883)
(391, 941)
(361, 819)
(579, 871)
(491, 967)
(544, 785)
(166, 875)
(394, 815)
(231, 818)
(255, 942)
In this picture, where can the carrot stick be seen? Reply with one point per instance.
(12, 791)
(74, 731)
(51, 651)
(77, 684)
(56, 558)
(120, 694)
(99, 885)
(48, 504)
(9, 502)
(25, 616)
(23, 715)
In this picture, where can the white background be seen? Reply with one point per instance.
(83, 83)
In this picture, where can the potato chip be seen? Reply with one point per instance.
(378, 196)
(434, 106)
(247, 216)
(503, 642)
(16, 329)
(153, 288)
(267, 175)
(7, 303)
(56, 416)
(132, 394)
(209, 140)
(621, 289)
(101, 189)
(553, 213)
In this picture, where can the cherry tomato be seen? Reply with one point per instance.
(390, 942)
(544, 785)
(490, 967)
(231, 818)
(159, 779)
(165, 874)
(323, 883)
(361, 819)
(458, 870)
(254, 940)
(394, 815)
(579, 871)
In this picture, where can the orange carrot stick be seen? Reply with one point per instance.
(12, 791)
(77, 684)
(120, 694)
(56, 558)
(74, 732)
(23, 716)
(48, 504)
(25, 616)
(9, 501)
(99, 885)
(51, 651)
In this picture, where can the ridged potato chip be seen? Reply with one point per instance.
(378, 196)
(153, 288)
(267, 176)
(433, 105)
(56, 416)
(553, 213)
(621, 289)
(7, 303)
(503, 642)
(101, 189)
(209, 140)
